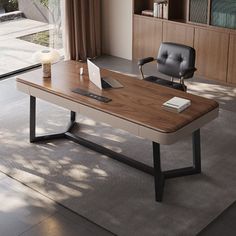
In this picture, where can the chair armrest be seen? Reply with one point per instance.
(146, 60)
(186, 73)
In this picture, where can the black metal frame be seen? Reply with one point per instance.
(15, 72)
(159, 175)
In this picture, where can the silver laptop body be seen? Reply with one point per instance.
(95, 77)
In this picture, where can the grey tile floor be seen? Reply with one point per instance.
(25, 212)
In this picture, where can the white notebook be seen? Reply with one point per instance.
(176, 104)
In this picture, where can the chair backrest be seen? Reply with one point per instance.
(173, 58)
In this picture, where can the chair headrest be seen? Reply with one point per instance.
(173, 58)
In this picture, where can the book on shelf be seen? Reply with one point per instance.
(165, 10)
(176, 104)
(155, 9)
(160, 9)
(147, 12)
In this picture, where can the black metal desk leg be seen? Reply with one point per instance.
(45, 137)
(32, 118)
(72, 122)
(159, 179)
(197, 151)
(72, 116)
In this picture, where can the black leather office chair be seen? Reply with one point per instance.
(174, 60)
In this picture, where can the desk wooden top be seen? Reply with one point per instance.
(139, 101)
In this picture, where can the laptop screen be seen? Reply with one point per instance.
(94, 74)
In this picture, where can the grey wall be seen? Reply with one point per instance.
(33, 10)
(117, 28)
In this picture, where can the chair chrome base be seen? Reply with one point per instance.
(159, 175)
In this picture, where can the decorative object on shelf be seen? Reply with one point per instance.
(148, 13)
(165, 10)
(46, 57)
(155, 9)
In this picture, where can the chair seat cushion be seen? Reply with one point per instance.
(165, 82)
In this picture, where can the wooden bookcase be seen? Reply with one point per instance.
(215, 46)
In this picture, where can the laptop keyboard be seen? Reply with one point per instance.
(105, 84)
(91, 95)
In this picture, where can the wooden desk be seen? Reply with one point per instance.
(135, 108)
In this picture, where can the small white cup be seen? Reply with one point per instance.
(81, 71)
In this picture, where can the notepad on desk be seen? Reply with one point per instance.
(176, 104)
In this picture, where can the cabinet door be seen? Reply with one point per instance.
(177, 33)
(147, 36)
(198, 11)
(231, 78)
(211, 53)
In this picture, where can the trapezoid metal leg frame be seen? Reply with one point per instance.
(82, 141)
(159, 175)
(33, 137)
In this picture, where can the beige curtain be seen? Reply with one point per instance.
(82, 29)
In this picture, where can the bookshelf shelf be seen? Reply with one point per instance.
(158, 8)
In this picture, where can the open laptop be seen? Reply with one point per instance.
(102, 83)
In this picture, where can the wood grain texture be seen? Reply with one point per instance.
(139, 101)
(231, 77)
(178, 33)
(147, 36)
(211, 53)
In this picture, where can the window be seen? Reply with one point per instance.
(27, 26)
